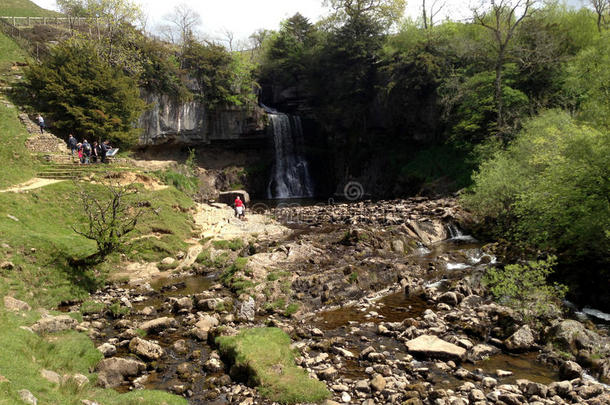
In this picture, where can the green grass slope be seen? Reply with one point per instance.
(24, 8)
(24, 355)
(42, 219)
(16, 164)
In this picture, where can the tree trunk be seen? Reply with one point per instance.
(498, 90)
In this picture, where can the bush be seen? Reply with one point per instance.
(524, 288)
(184, 183)
(549, 188)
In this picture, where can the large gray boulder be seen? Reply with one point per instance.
(113, 371)
(572, 336)
(432, 346)
(522, 340)
(146, 349)
(54, 324)
(228, 197)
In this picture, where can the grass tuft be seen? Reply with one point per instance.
(265, 359)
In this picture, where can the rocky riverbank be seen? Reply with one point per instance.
(383, 302)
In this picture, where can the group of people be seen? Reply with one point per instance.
(88, 153)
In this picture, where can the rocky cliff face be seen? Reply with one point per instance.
(168, 121)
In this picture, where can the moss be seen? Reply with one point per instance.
(233, 244)
(353, 278)
(169, 266)
(264, 355)
(291, 309)
(92, 307)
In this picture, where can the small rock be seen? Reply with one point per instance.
(50, 376)
(345, 397)
(107, 349)
(146, 348)
(6, 265)
(378, 383)
(54, 324)
(13, 304)
(27, 397)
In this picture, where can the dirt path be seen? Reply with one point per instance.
(30, 185)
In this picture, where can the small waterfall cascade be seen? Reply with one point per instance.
(290, 176)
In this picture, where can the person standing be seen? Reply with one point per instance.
(240, 208)
(96, 153)
(40, 123)
(105, 148)
(72, 144)
(86, 151)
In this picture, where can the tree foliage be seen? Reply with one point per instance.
(85, 95)
(550, 188)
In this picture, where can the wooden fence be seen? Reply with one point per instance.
(34, 48)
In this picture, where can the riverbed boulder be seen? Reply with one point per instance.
(247, 308)
(113, 371)
(13, 304)
(203, 326)
(228, 197)
(522, 340)
(146, 349)
(570, 370)
(159, 324)
(572, 336)
(54, 324)
(434, 347)
(107, 349)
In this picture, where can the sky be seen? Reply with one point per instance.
(243, 17)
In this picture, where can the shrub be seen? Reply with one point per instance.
(524, 287)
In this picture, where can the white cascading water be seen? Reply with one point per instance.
(290, 176)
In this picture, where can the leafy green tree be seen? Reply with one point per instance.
(223, 78)
(384, 13)
(86, 96)
(550, 188)
(589, 82)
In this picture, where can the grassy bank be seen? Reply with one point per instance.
(265, 356)
(24, 355)
(37, 237)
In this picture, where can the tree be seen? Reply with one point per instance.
(85, 95)
(589, 82)
(502, 19)
(428, 16)
(112, 212)
(382, 12)
(182, 24)
(602, 9)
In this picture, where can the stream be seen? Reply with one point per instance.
(187, 367)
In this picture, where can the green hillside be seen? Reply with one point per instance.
(24, 8)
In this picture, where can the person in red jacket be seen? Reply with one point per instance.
(240, 208)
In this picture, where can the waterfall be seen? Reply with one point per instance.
(290, 176)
